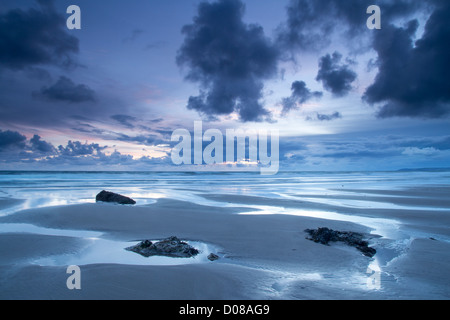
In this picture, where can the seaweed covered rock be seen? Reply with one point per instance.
(354, 239)
(170, 247)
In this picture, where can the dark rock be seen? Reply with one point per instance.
(106, 196)
(213, 257)
(170, 247)
(354, 239)
(367, 251)
(146, 244)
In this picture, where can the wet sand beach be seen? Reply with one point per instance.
(261, 242)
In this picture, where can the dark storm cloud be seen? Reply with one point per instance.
(229, 59)
(66, 90)
(15, 146)
(413, 76)
(336, 77)
(41, 146)
(311, 23)
(35, 37)
(411, 81)
(11, 140)
(300, 95)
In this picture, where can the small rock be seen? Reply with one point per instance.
(213, 257)
(106, 196)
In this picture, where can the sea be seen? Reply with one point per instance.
(38, 189)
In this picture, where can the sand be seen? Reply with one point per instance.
(261, 256)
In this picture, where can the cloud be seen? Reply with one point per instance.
(311, 24)
(361, 154)
(413, 151)
(15, 147)
(41, 146)
(16, 152)
(125, 120)
(328, 117)
(300, 95)
(293, 149)
(11, 140)
(35, 37)
(441, 143)
(66, 90)
(336, 78)
(76, 148)
(87, 128)
(412, 80)
(306, 28)
(148, 140)
(229, 59)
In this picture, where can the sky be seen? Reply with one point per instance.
(110, 95)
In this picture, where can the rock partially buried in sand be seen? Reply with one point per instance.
(213, 257)
(106, 196)
(170, 247)
(325, 235)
